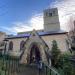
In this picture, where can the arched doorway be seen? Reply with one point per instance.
(34, 54)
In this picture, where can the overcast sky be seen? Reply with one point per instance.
(25, 15)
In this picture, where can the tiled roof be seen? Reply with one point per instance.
(41, 33)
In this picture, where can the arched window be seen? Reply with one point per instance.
(10, 45)
(22, 45)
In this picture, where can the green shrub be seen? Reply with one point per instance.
(55, 53)
(65, 65)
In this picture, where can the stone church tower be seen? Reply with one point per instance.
(51, 20)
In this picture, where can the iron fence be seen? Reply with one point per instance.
(48, 70)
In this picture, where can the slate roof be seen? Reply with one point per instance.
(41, 33)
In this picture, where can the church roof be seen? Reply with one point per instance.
(41, 33)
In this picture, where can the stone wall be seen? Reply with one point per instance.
(61, 41)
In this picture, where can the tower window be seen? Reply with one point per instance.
(50, 14)
(53, 12)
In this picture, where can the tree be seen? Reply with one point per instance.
(55, 53)
(71, 34)
(65, 65)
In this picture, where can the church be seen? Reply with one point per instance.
(36, 45)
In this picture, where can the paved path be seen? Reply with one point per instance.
(29, 70)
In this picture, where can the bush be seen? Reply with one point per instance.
(55, 53)
(62, 61)
(65, 65)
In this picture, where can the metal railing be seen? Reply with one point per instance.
(8, 62)
(48, 70)
(8, 65)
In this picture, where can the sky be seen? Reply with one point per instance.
(25, 15)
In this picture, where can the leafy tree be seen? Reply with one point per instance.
(55, 53)
(65, 65)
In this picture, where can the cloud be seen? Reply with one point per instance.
(66, 13)
(8, 30)
(35, 22)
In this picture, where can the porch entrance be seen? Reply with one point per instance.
(34, 54)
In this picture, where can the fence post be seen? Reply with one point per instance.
(8, 66)
(5, 64)
(46, 70)
(50, 71)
